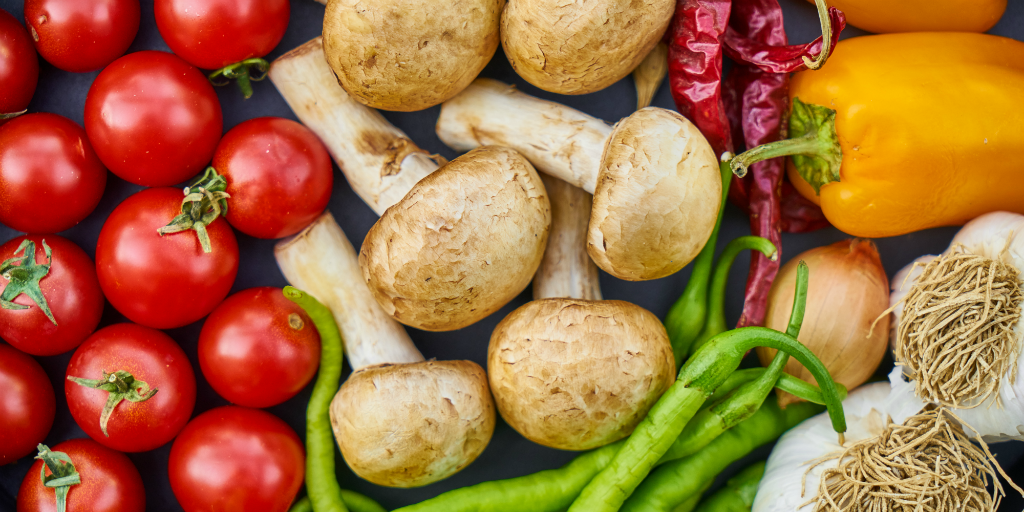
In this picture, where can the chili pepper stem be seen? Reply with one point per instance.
(826, 37)
(815, 146)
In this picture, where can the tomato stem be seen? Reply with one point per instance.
(244, 73)
(12, 115)
(205, 200)
(62, 474)
(120, 385)
(23, 275)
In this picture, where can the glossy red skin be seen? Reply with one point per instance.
(50, 177)
(19, 66)
(82, 35)
(279, 176)
(71, 290)
(27, 405)
(153, 119)
(233, 459)
(150, 356)
(250, 354)
(110, 482)
(162, 281)
(211, 34)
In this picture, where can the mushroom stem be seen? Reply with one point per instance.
(649, 75)
(558, 140)
(321, 261)
(379, 161)
(567, 270)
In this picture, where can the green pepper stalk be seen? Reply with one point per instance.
(679, 480)
(62, 474)
(697, 380)
(321, 481)
(738, 493)
(686, 318)
(715, 323)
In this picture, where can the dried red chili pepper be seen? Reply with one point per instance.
(695, 67)
(756, 97)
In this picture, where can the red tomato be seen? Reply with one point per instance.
(153, 119)
(211, 34)
(19, 67)
(110, 482)
(150, 356)
(162, 281)
(279, 176)
(258, 348)
(27, 405)
(50, 178)
(70, 289)
(236, 459)
(82, 35)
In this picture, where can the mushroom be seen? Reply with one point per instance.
(581, 46)
(569, 370)
(461, 244)
(400, 421)
(409, 54)
(655, 179)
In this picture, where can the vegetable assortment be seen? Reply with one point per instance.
(659, 408)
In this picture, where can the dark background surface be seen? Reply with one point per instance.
(508, 454)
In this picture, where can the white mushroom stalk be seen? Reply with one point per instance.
(958, 327)
(655, 179)
(567, 270)
(399, 421)
(897, 456)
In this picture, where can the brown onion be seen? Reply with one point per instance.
(847, 291)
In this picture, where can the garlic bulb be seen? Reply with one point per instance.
(998, 415)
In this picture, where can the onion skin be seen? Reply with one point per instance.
(847, 291)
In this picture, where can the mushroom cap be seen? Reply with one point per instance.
(657, 197)
(409, 55)
(412, 424)
(581, 46)
(577, 374)
(462, 243)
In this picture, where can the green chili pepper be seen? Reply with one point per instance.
(321, 482)
(697, 380)
(353, 500)
(686, 318)
(678, 480)
(738, 493)
(715, 323)
(691, 503)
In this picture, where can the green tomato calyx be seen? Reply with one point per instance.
(205, 200)
(23, 275)
(243, 73)
(120, 385)
(62, 474)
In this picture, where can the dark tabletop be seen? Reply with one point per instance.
(508, 454)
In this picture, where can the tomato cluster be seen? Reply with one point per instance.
(163, 259)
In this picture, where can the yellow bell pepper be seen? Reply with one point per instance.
(903, 132)
(885, 16)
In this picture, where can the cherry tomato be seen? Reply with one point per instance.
(110, 482)
(27, 406)
(82, 35)
(50, 177)
(158, 372)
(279, 176)
(211, 34)
(69, 288)
(258, 348)
(162, 281)
(153, 119)
(19, 66)
(232, 458)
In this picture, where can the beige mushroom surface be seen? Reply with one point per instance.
(577, 374)
(409, 55)
(581, 46)
(462, 243)
(441, 415)
(655, 179)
